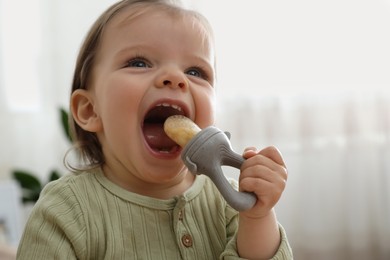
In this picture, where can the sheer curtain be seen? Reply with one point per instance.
(337, 202)
(310, 77)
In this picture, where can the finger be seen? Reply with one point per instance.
(250, 148)
(249, 152)
(274, 154)
(263, 189)
(261, 171)
(258, 172)
(259, 159)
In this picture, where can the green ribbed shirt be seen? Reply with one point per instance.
(85, 216)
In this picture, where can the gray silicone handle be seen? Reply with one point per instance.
(206, 153)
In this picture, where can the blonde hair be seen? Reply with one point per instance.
(87, 143)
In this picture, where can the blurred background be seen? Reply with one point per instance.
(310, 77)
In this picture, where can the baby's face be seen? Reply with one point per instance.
(150, 67)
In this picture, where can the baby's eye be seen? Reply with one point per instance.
(138, 62)
(197, 72)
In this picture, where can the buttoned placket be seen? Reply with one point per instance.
(183, 236)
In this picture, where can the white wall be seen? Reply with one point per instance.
(309, 76)
(265, 48)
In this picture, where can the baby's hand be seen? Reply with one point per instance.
(263, 173)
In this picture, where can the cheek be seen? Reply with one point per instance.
(119, 106)
(205, 107)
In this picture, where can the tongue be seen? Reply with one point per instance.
(156, 137)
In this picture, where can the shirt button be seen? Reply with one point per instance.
(180, 215)
(186, 240)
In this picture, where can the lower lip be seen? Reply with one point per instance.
(163, 155)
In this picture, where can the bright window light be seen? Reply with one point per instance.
(20, 46)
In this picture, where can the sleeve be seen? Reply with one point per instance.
(284, 251)
(231, 231)
(56, 228)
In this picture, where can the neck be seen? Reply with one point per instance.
(166, 190)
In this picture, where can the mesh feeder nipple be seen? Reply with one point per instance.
(180, 129)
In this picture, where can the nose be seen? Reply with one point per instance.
(172, 79)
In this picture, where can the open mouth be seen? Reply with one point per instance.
(153, 128)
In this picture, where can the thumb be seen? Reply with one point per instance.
(249, 152)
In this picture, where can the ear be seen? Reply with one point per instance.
(83, 111)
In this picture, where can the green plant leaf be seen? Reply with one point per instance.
(65, 124)
(30, 196)
(54, 175)
(31, 186)
(27, 180)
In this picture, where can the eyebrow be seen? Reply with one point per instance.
(129, 49)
